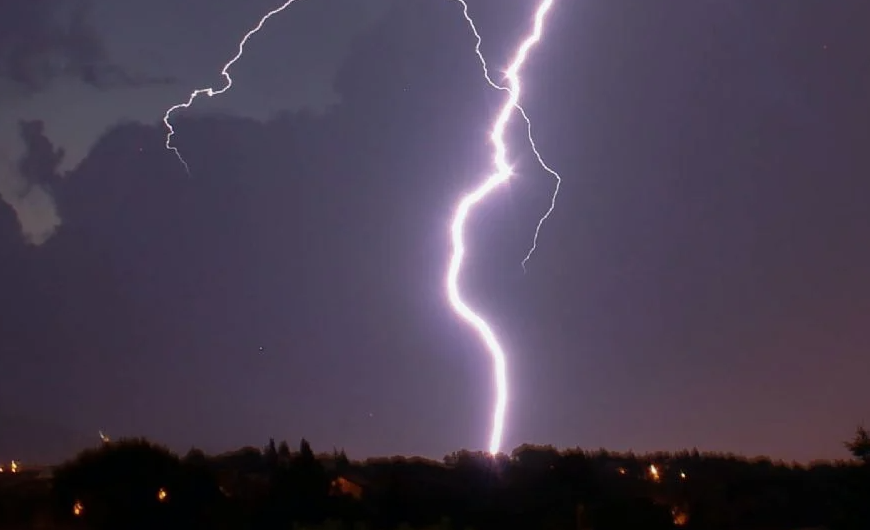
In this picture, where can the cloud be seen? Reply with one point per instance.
(41, 160)
(71, 65)
(25, 182)
(38, 46)
(47, 48)
(44, 41)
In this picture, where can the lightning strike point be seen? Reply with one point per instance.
(467, 202)
(211, 92)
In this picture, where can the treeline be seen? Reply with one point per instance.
(137, 484)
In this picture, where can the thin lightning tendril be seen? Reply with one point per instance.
(522, 111)
(210, 92)
(467, 202)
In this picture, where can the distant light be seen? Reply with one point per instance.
(105, 437)
(161, 495)
(78, 509)
(680, 516)
(683, 475)
(654, 473)
(2, 470)
(621, 471)
(14, 467)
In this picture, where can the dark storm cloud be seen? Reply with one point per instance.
(41, 159)
(45, 45)
(43, 41)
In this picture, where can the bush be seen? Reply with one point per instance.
(131, 483)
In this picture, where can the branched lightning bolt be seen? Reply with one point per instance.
(522, 111)
(225, 72)
(466, 204)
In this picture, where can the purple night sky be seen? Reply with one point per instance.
(702, 283)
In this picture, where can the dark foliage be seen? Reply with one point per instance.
(136, 484)
(859, 446)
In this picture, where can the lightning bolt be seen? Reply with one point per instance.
(466, 204)
(209, 91)
(531, 138)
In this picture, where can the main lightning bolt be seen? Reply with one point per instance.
(501, 175)
(522, 111)
(210, 92)
(467, 202)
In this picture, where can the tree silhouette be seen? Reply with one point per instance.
(195, 457)
(305, 452)
(130, 484)
(342, 464)
(271, 453)
(859, 446)
(283, 451)
(119, 485)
